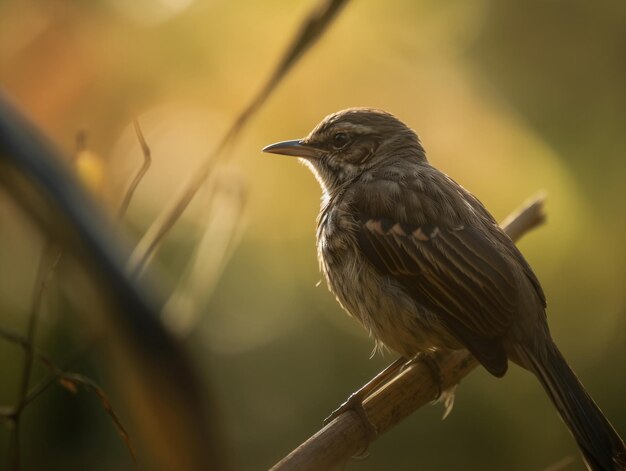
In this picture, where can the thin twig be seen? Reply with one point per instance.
(48, 261)
(50, 257)
(69, 380)
(312, 28)
(145, 166)
(413, 388)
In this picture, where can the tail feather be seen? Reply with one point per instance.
(601, 446)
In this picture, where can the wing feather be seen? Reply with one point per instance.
(456, 273)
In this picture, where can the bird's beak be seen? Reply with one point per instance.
(296, 148)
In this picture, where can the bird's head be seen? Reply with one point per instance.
(351, 142)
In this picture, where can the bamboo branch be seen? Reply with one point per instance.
(413, 388)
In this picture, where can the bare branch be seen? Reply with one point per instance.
(526, 218)
(50, 257)
(413, 388)
(145, 166)
(69, 380)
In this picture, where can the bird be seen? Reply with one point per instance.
(424, 266)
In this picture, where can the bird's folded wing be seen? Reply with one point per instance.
(457, 273)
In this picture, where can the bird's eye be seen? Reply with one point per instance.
(340, 140)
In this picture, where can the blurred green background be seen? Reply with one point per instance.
(508, 97)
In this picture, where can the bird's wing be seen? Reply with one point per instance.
(456, 273)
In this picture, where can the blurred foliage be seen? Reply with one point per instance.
(508, 97)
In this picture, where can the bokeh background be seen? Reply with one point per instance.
(509, 98)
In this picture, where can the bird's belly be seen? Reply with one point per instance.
(383, 306)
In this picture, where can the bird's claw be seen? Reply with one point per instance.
(355, 403)
(432, 365)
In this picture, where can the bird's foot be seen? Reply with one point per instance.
(355, 403)
(446, 397)
(430, 361)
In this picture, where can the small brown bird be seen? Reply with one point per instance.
(421, 263)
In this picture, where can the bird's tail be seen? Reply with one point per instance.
(601, 446)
